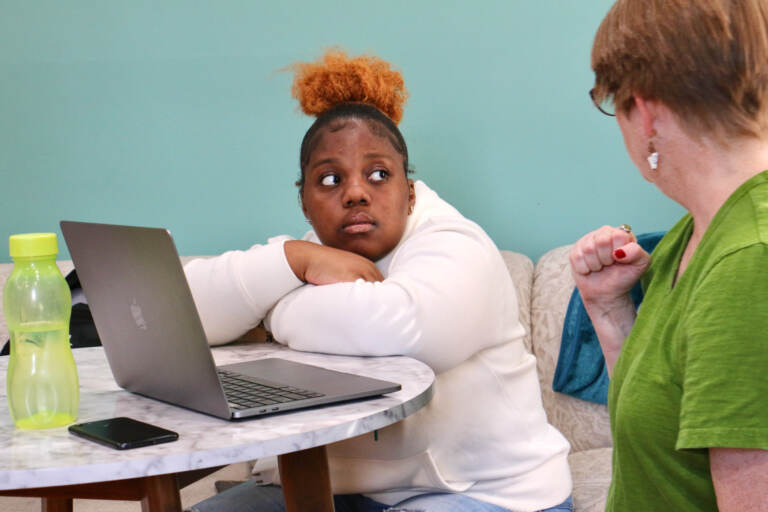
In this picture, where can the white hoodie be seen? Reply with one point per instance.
(448, 300)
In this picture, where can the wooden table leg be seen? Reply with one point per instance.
(56, 505)
(161, 494)
(156, 493)
(306, 480)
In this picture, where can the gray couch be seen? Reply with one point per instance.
(543, 291)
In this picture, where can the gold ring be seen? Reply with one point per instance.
(626, 227)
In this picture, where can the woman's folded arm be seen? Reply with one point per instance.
(234, 291)
(447, 295)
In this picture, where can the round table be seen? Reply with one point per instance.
(58, 466)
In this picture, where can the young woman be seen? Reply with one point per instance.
(390, 268)
(689, 82)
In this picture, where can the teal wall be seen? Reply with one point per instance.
(174, 113)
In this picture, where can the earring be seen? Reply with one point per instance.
(653, 158)
(410, 209)
(308, 221)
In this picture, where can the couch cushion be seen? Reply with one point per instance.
(520, 268)
(585, 424)
(591, 471)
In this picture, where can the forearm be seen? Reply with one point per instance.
(234, 291)
(314, 263)
(613, 322)
(361, 318)
(740, 478)
(606, 264)
(380, 319)
(438, 306)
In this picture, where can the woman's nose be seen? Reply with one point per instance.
(355, 192)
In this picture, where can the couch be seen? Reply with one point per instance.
(543, 292)
(546, 290)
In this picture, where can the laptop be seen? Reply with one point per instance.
(155, 344)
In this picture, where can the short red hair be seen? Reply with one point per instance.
(707, 60)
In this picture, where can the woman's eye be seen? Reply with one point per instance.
(329, 180)
(379, 175)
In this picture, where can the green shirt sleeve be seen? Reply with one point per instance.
(725, 361)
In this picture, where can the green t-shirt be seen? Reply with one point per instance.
(693, 373)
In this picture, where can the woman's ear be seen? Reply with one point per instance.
(411, 196)
(301, 199)
(649, 113)
(304, 207)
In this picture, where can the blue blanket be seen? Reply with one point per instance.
(581, 370)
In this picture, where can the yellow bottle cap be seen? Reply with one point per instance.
(30, 245)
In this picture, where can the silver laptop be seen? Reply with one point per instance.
(155, 344)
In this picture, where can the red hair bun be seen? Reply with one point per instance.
(336, 78)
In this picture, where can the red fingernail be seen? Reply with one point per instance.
(619, 254)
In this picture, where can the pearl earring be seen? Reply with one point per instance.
(653, 158)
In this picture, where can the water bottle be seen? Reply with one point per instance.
(41, 384)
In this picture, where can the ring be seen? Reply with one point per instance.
(626, 227)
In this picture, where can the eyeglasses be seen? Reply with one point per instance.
(606, 106)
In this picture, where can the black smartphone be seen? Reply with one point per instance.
(123, 433)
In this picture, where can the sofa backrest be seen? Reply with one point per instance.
(585, 424)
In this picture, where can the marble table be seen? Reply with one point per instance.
(58, 466)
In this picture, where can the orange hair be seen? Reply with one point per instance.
(336, 78)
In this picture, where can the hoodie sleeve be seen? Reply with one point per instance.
(234, 291)
(447, 295)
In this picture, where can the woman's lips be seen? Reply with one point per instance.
(356, 229)
(357, 224)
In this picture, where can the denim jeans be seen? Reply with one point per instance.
(250, 497)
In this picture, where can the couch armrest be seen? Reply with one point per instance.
(520, 269)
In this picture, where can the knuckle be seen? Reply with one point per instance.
(589, 250)
(604, 238)
(606, 230)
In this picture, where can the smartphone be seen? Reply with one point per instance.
(123, 433)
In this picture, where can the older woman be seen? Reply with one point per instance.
(391, 268)
(689, 417)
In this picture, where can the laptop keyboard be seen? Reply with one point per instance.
(244, 392)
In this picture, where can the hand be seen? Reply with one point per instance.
(605, 264)
(319, 264)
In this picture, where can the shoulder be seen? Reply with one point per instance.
(670, 247)
(440, 237)
(742, 221)
(740, 237)
(434, 218)
(429, 203)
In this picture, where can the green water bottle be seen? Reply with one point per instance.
(42, 385)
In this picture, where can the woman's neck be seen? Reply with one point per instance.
(701, 175)
(704, 177)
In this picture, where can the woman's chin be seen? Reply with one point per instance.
(368, 244)
(366, 249)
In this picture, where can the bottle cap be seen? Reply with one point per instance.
(30, 245)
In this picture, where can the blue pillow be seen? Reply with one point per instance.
(581, 370)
